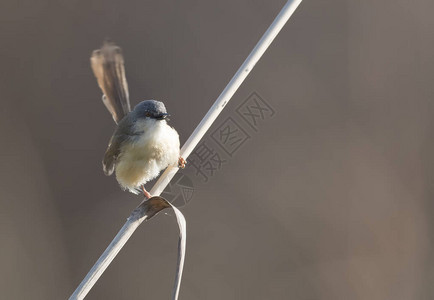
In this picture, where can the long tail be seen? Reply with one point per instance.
(108, 66)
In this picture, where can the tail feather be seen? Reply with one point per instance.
(108, 66)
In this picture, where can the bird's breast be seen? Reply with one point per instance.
(154, 146)
(153, 140)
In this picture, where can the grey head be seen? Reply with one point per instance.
(150, 109)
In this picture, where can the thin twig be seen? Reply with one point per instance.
(139, 214)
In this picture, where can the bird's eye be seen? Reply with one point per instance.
(147, 114)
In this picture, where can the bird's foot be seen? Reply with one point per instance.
(181, 163)
(146, 193)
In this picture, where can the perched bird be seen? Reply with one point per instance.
(143, 143)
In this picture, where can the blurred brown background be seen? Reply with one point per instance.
(330, 199)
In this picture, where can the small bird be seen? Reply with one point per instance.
(143, 143)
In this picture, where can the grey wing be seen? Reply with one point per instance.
(108, 66)
(111, 154)
(122, 133)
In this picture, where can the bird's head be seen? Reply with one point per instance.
(151, 109)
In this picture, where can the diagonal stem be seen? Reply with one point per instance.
(138, 216)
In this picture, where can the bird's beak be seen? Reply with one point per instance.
(163, 116)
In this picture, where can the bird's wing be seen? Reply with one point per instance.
(108, 66)
(122, 133)
(111, 154)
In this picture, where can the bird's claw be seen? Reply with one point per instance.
(146, 193)
(181, 163)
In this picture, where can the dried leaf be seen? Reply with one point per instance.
(152, 207)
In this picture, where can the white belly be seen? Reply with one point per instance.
(142, 160)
